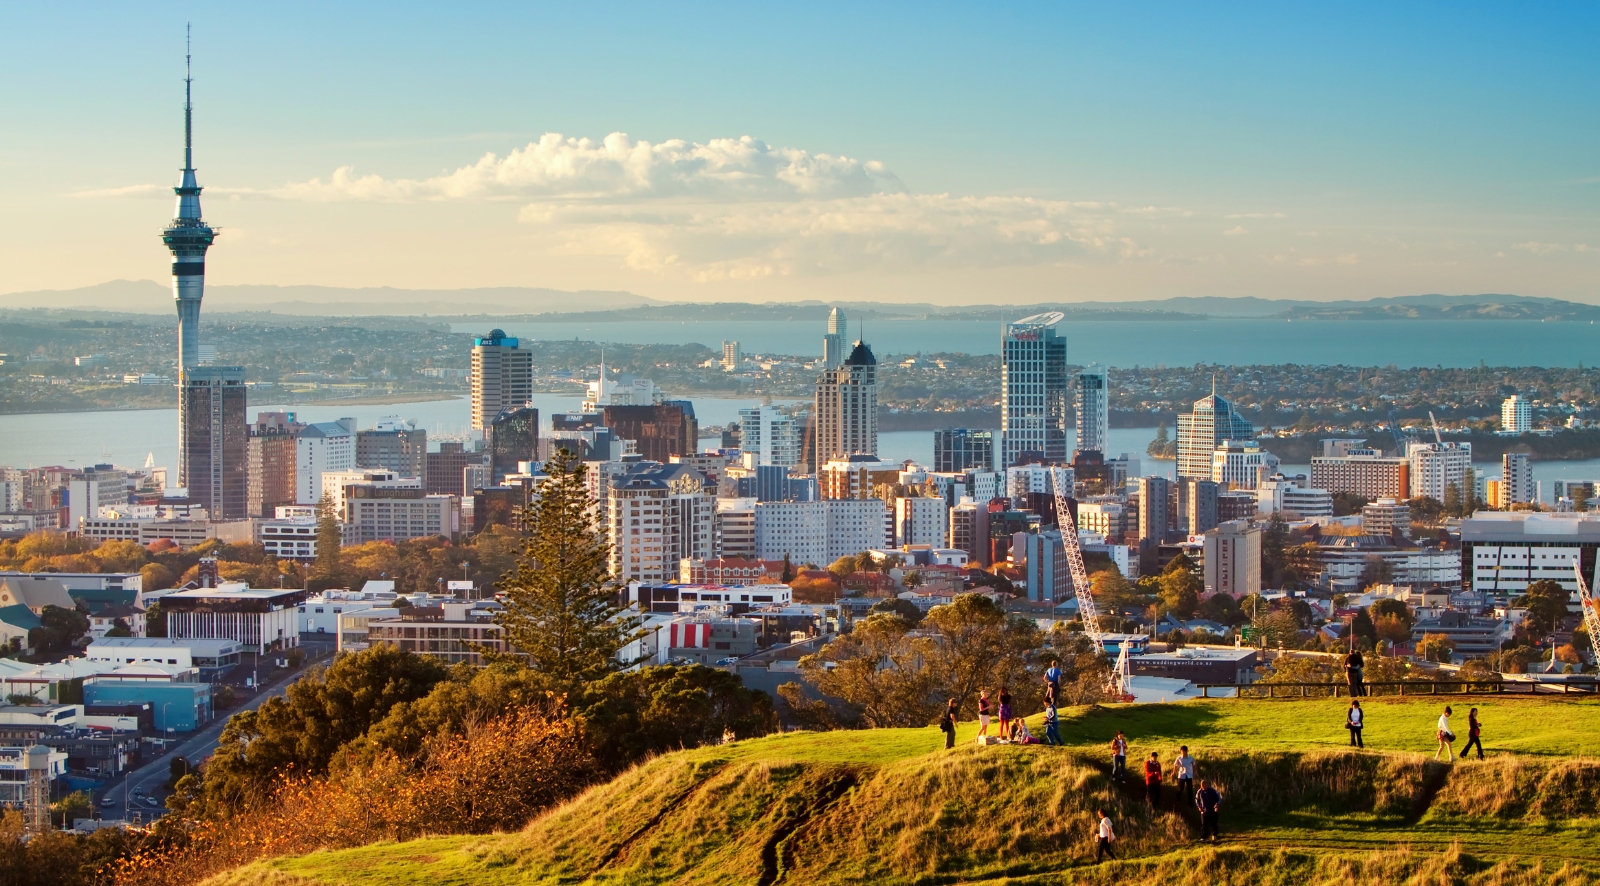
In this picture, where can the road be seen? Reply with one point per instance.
(153, 775)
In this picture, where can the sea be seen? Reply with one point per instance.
(129, 437)
(1128, 343)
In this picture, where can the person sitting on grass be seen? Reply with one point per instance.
(1020, 733)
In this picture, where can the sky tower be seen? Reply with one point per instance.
(212, 433)
(188, 236)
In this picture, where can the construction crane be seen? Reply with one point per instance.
(1118, 682)
(1591, 618)
(1436, 437)
(1400, 437)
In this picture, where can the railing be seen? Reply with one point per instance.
(1401, 687)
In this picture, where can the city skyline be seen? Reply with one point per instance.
(1137, 162)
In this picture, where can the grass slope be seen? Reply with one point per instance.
(892, 806)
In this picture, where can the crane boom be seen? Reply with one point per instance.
(1080, 578)
(1591, 617)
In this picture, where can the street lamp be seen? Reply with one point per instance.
(166, 725)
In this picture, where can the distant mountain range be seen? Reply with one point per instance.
(523, 304)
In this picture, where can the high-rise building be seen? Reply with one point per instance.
(322, 447)
(1386, 517)
(819, 532)
(1034, 396)
(845, 415)
(212, 448)
(1233, 559)
(833, 341)
(502, 377)
(960, 449)
(772, 437)
(513, 438)
(1516, 479)
(1212, 423)
(659, 515)
(659, 432)
(921, 521)
(1436, 467)
(1094, 409)
(1241, 464)
(1365, 472)
(1154, 498)
(1195, 505)
(271, 463)
(730, 355)
(395, 445)
(445, 467)
(1516, 415)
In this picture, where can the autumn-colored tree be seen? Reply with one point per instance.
(1546, 605)
(980, 647)
(1181, 588)
(1436, 647)
(879, 671)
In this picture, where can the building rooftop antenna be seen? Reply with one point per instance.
(188, 98)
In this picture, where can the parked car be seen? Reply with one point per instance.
(726, 661)
(107, 802)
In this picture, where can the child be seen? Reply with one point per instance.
(1052, 735)
(983, 715)
(1020, 733)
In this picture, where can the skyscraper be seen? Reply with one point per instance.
(960, 449)
(845, 416)
(1033, 390)
(1094, 409)
(1516, 478)
(1516, 415)
(774, 438)
(833, 342)
(1212, 423)
(513, 438)
(502, 377)
(212, 433)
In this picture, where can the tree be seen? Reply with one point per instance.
(1389, 606)
(1436, 647)
(788, 570)
(845, 566)
(912, 581)
(1375, 571)
(1222, 609)
(1363, 629)
(329, 571)
(978, 646)
(1277, 627)
(1580, 497)
(903, 608)
(880, 672)
(1426, 510)
(1162, 446)
(1346, 504)
(1546, 605)
(630, 716)
(1181, 588)
(1113, 593)
(59, 628)
(73, 806)
(561, 609)
(1392, 629)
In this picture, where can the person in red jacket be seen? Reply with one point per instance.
(1152, 780)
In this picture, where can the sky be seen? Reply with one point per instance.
(751, 152)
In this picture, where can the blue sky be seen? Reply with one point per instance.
(902, 152)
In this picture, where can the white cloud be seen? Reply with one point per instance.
(1236, 231)
(1255, 215)
(127, 191)
(1536, 248)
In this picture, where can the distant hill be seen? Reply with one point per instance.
(531, 304)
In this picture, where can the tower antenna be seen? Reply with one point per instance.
(188, 98)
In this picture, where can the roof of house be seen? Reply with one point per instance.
(35, 593)
(19, 617)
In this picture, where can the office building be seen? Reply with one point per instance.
(382, 512)
(1437, 467)
(1034, 396)
(289, 537)
(735, 527)
(270, 463)
(921, 521)
(969, 530)
(445, 467)
(833, 342)
(259, 620)
(1241, 464)
(772, 437)
(961, 449)
(320, 448)
(1201, 431)
(1108, 519)
(730, 355)
(1386, 516)
(1041, 556)
(658, 516)
(1287, 497)
(454, 632)
(855, 477)
(819, 532)
(1233, 559)
(1154, 525)
(396, 446)
(93, 489)
(1094, 409)
(1194, 506)
(659, 431)
(844, 418)
(1364, 472)
(513, 439)
(1516, 479)
(1502, 552)
(1516, 415)
(335, 484)
(502, 377)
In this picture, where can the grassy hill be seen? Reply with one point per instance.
(892, 806)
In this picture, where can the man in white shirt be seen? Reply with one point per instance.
(1103, 837)
(1183, 771)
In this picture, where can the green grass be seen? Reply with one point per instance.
(892, 806)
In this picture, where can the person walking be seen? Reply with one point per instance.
(1152, 780)
(1208, 800)
(1103, 837)
(947, 724)
(1447, 738)
(1474, 738)
(1005, 712)
(1052, 734)
(1354, 719)
(1183, 771)
(1119, 756)
(983, 715)
(1355, 671)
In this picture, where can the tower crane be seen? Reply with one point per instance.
(1591, 617)
(1118, 682)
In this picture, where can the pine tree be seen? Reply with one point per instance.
(561, 610)
(330, 565)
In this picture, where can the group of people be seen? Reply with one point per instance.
(1208, 800)
(1355, 720)
(1012, 728)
